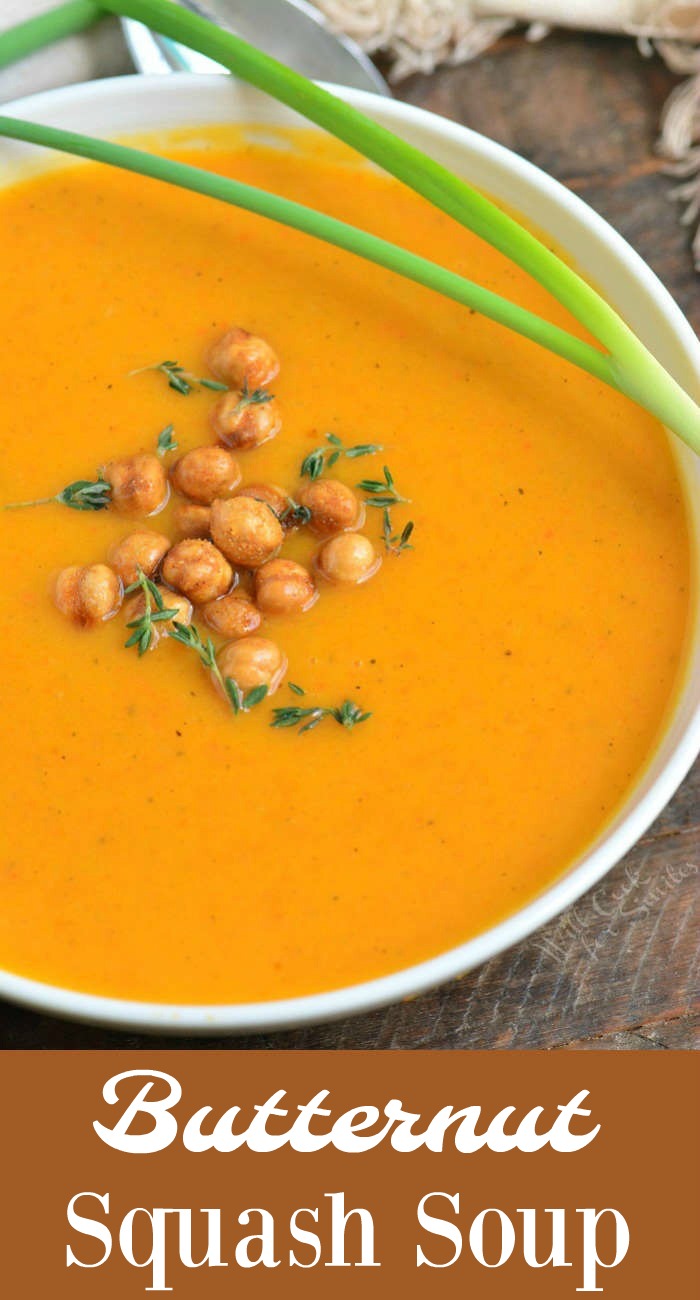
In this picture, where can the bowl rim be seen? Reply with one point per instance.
(630, 822)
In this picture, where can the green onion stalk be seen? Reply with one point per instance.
(621, 360)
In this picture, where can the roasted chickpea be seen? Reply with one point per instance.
(136, 605)
(181, 605)
(143, 550)
(244, 425)
(247, 531)
(284, 587)
(252, 662)
(87, 594)
(349, 557)
(205, 473)
(191, 520)
(198, 570)
(232, 616)
(240, 358)
(273, 496)
(277, 499)
(334, 506)
(139, 483)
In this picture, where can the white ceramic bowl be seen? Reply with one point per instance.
(137, 104)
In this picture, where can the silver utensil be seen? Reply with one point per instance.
(290, 30)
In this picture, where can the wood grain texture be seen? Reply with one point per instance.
(620, 969)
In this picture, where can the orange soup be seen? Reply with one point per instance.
(516, 652)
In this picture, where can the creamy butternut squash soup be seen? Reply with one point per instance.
(405, 597)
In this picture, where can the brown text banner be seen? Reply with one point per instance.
(209, 1174)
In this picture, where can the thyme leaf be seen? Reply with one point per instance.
(83, 494)
(254, 696)
(396, 543)
(189, 636)
(241, 703)
(362, 449)
(382, 492)
(258, 397)
(348, 715)
(86, 495)
(312, 465)
(166, 441)
(180, 379)
(324, 457)
(295, 515)
(143, 630)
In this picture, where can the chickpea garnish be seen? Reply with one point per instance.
(273, 496)
(289, 513)
(253, 661)
(135, 608)
(87, 594)
(240, 358)
(284, 587)
(191, 520)
(232, 616)
(181, 605)
(348, 558)
(143, 550)
(240, 422)
(334, 506)
(197, 569)
(247, 531)
(139, 483)
(205, 473)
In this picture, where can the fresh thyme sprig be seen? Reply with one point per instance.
(258, 397)
(83, 494)
(154, 612)
(349, 715)
(396, 543)
(180, 379)
(322, 458)
(189, 636)
(166, 442)
(295, 515)
(250, 699)
(382, 493)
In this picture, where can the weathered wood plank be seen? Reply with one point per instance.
(670, 1035)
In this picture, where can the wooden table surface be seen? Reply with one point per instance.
(618, 970)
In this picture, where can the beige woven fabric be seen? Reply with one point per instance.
(420, 34)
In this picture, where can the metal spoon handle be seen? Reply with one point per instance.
(290, 30)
